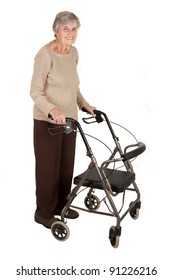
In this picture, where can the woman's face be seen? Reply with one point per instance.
(67, 33)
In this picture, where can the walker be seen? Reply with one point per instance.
(111, 181)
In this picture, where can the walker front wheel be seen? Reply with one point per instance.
(60, 231)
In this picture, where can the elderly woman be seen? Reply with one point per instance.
(55, 92)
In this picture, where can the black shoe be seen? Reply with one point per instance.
(45, 222)
(71, 214)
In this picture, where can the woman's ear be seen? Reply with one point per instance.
(55, 33)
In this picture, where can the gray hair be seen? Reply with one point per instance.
(64, 18)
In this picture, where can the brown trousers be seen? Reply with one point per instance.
(54, 155)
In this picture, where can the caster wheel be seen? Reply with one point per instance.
(114, 237)
(92, 202)
(134, 212)
(60, 231)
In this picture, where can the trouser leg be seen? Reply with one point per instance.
(66, 168)
(54, 156)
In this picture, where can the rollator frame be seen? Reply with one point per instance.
(60, 229)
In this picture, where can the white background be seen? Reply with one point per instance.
(126, 69)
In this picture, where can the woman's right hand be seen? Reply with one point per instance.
(58, 116)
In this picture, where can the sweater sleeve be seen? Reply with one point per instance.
(42, 65)
(81, 100)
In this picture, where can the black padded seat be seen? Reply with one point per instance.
(118, 179)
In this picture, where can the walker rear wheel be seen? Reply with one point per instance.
(134, 212)
(92, 202)
(114, 237)
(60, 231)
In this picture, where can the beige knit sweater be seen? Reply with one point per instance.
(55, 83)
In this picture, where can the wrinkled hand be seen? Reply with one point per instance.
(58, 116)
(90, 109)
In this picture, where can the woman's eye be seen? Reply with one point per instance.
(65, 29)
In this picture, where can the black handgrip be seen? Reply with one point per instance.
(84, 110)
(98, 117)
(68, 124)
(50, 117)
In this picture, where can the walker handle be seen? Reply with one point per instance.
(98, 118)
